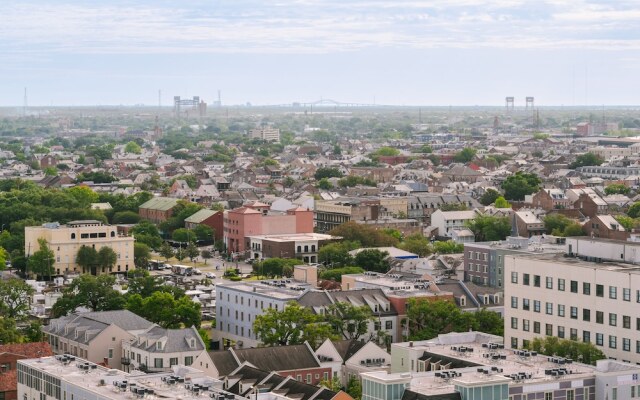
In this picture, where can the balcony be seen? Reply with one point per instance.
(125, 361)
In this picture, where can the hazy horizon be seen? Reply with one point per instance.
(421, 53)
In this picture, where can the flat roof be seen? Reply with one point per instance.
(282, 289)
(294, 237)
(100, 380)
(578, 262)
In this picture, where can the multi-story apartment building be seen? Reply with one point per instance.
(596, 302)
(484, 261)
(267, 134)
(304, 246)
(256, 219)
(477, 366)
(66, 240)
(448, 221)
(329, 214)
(95, 336)
(158, 349)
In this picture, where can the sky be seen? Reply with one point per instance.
(392, 52)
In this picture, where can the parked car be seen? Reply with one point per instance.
(210, 275)
(196, 271)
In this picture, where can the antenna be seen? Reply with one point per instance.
(159, 98)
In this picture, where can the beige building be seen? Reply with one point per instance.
(267, 134)
(554, 295)
(66, 240)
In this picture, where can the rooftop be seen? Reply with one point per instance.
(282, 289)
(294, 237)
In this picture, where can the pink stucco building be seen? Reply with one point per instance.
(257, 219)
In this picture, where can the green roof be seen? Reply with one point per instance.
(200, 216)
(160, 203)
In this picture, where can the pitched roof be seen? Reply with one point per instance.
(280, 358)
(89, 325)
(200, 216)
(224, 361)
(347, 348)
(160, 203)
(175, 340)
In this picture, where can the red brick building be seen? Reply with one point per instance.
(9, 356)
(158, 209)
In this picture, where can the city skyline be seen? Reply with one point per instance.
(456, 53)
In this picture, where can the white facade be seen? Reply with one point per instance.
(573, 299)
(447, 221)
(596, 249)
(267, 134)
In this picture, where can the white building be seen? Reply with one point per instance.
(553, 295)
(267, 134)
(448, 221)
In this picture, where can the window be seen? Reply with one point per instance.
(173, 361)
(514, 302)
(613, 292)
(561, 332)
(586, 336)
(573, 312)
(599, 317)
(549, 281)
(525, 279)
(614, 394)
(536, 280)
(377, 325)
(525, 325)
(157, 362)
(613, 342)
(571, 394)
(599, 290)
(586, 288)
(514, 323)
(536, 327)
(536, 305)
(560, 310)
(613, 319)
(525, 304)
(514, 343)
(514, 279)
(574, 286)
(626, 294)
(548, 396)
(188, 360)
(573, 334)
(626, 344)
(561, 285)
(110, 353)
(388, 324)
(549, 308)
(548, 329)
(309, 378)
(586, 314)
(599, 339)
(626, 322)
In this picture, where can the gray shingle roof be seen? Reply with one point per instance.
(174, 340)
(280, 358)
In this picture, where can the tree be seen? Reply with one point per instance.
(453, 207)
(93, 292)
(51, 171)
(41, 262)
(425, 149)
(354, 180)
(133, 147)
(627, 222)
(126, 217)
(349, 321)
(15, 295)
(587, 159)
(427, 318)
(191, 251)
(585, 352)
(107, 258)
(489, 228)
(372, 260)
(206, 254)
(204, 335)
(502, 203)
(489, 322)
(386, 151)
(83, 195)
(573, 229)
(634, 210)
(354, 388)
(147, 233)
(417, 244)
(335, 274)
(183, 235)
(448, 247)
(465, 155)
(165, 310)
(275, 267)
(364, 234)
(324, 184)
(489, 197)
(336, 254)
(519, 185)
(86, 258)
(141, 255)
(293, 325)
(555, 223)
(166, 251)
(325, 172)
(203, 232)
(4, 256)
(9, 332)
(617, 188)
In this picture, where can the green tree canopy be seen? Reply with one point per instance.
(107, 258)
(165, 310)
(355, 180)
(141, 255)
(502, 203)
(555, 223)
(519, 185)
(617, 188)
(293, 325)
(337, 254)
(585, 160)
(349, 321)
(133, 147)
(93, 292)
(126, 217)
(489, 228)
(15, 296)
(372, 260)
(327, 172)
(166, 251)
(41, 262)
(489, 197)
(364, 234)
(335, 274)
(183, 235)
(634, 210)
(417, 244)
(386, 151)
(465, 155)
(83, 195)
(585, 352)
(86, 258)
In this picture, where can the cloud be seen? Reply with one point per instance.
(312, 26)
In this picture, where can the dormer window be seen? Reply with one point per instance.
(158, 345)
(192, 343)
